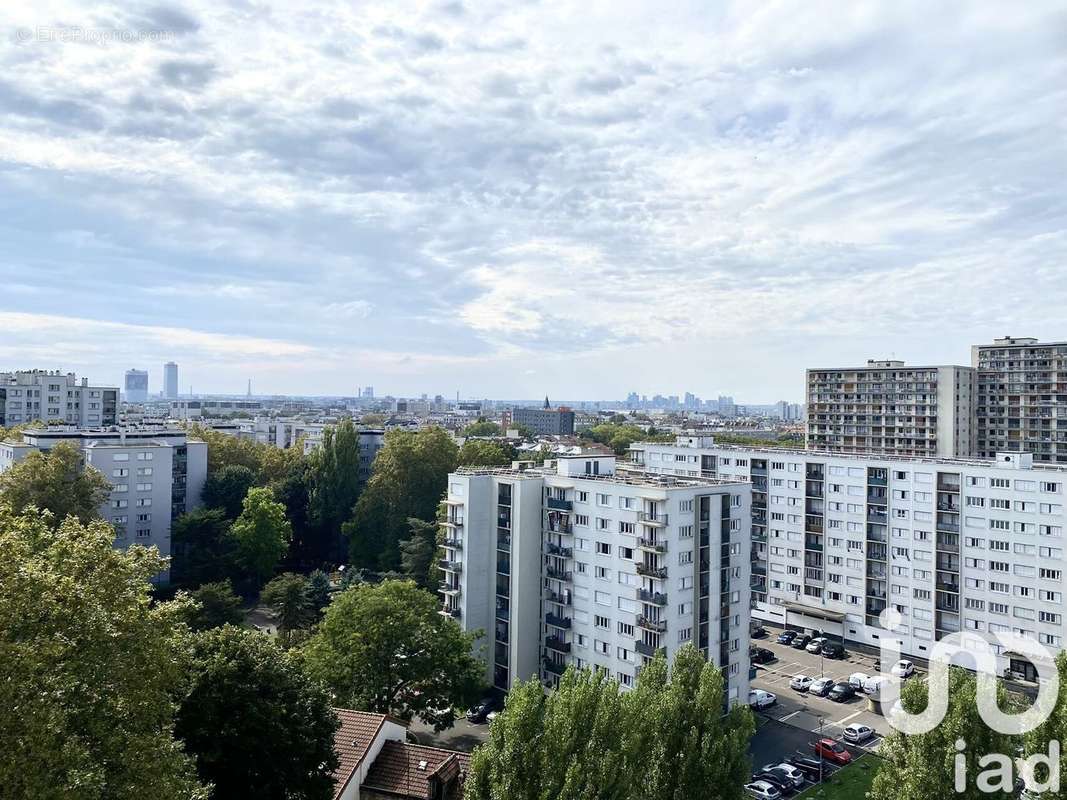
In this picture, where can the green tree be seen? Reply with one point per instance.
(668, 738)
(1054, 729)
(385, 648)
(920, 766)
(484, 453)
(89, 667)
(226, 489)
(58, 481)
(261, 533)
(216, 605)
(256, 724)
(482, 427)
(319, 591)
(372, 420)
(225, 450)
(418, 551)
(334, 489)
(202, 548)
(289, 598)
(293, 490)
(410, 476)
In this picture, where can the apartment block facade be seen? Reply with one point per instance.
(574, 563)
(951, 544)
(156, 475)
(1021, 398)
(545, 421)
(891, 409)
(53, 396)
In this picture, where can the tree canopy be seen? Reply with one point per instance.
(226, 488)
(482, 427)
(203, 551)
(667, 739)
(385, 648)
(288, 596)
(333, 490)
(89, 667)
(261, 534)
(255, 723)
(215, 605)
(485, 453)
(410, 475)
(57, 481)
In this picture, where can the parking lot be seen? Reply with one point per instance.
(808, 712)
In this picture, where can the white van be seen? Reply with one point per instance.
(873, 686)
(857, 680)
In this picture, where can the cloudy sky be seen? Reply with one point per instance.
(508, 199)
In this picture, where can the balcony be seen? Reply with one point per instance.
(450, 566)
(645, 649)
(559, 505)
(559, 526)
(655, 598)
(558, 574)
(659, 626)
(558, 622)
(555, 667)
(455, 544)
(452, 591)
(654, 520)
(651, 545)
(560, 646)
(453, 522)
(454, 613)
(558, 598)
(652, 572)
(559, 550)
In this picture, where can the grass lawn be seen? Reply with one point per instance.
(849, 783)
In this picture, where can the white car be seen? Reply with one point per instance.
(815, 645)
(801, 683)
(874, 685)
(902, 669)
(857, 680)
(763, 790)
(794, 774)
(759, 699)
(856, 733)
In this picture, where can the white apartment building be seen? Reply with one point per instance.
(951, 544)
(53, 396)
(284, 432)
(156, 475)
(891, 409)
(575, 563)
(198, 409)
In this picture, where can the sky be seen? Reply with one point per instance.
(527, 198)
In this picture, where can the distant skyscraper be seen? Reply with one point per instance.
(170, 380)
(136, 386)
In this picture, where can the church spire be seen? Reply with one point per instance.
(546, 402)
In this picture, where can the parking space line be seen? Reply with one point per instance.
(842, 722)
(788, 717)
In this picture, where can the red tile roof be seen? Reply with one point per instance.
(406, 770)
(353, 739)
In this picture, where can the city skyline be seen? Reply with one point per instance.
(513, 201)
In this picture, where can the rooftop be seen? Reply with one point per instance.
(629, 477)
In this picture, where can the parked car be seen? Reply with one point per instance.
(858, 679)
(813, 768)
(786, 637)
(782, 782)
(832, 751)
(902, 669)
(801, 641)
(760, 655)
(762, 790)
(480, 712)
(833, 650)
(758, 632)
(759, 699)
(815, 645)
(856, 733)
(821, 687)
(873, 686)
(841, 692)
(788, 770)
(801, 682)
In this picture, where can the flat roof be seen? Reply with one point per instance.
(630, 476)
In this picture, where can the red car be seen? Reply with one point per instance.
(832, 751)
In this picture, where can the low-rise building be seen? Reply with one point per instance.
(197, 409)
(574, 563)
(156, 475)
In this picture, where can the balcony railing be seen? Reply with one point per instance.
(554, 667)
(656, 519)
(456, 544)
(450, 590)
(652, 572)
(657, 625)
(450, 566)
(559, 550)
(558, 622)
(651, 545)
(560, 646)
(559, 527)
(559, 505)
(558, 598)
(655, 598)
(558, 574)
(645, 649)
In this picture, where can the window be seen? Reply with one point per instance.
(1050, 574)
(145, 471)
(601, 622)
(685, 557)
(603, 549)
(626, 629)
(144, 487)
(121, 457)
(144, 456)
(581, 519)
(119, 473)
(602, 573)
(603, 499)
(601, 524)
(626, 553)
(626, 528)
(581, 497)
